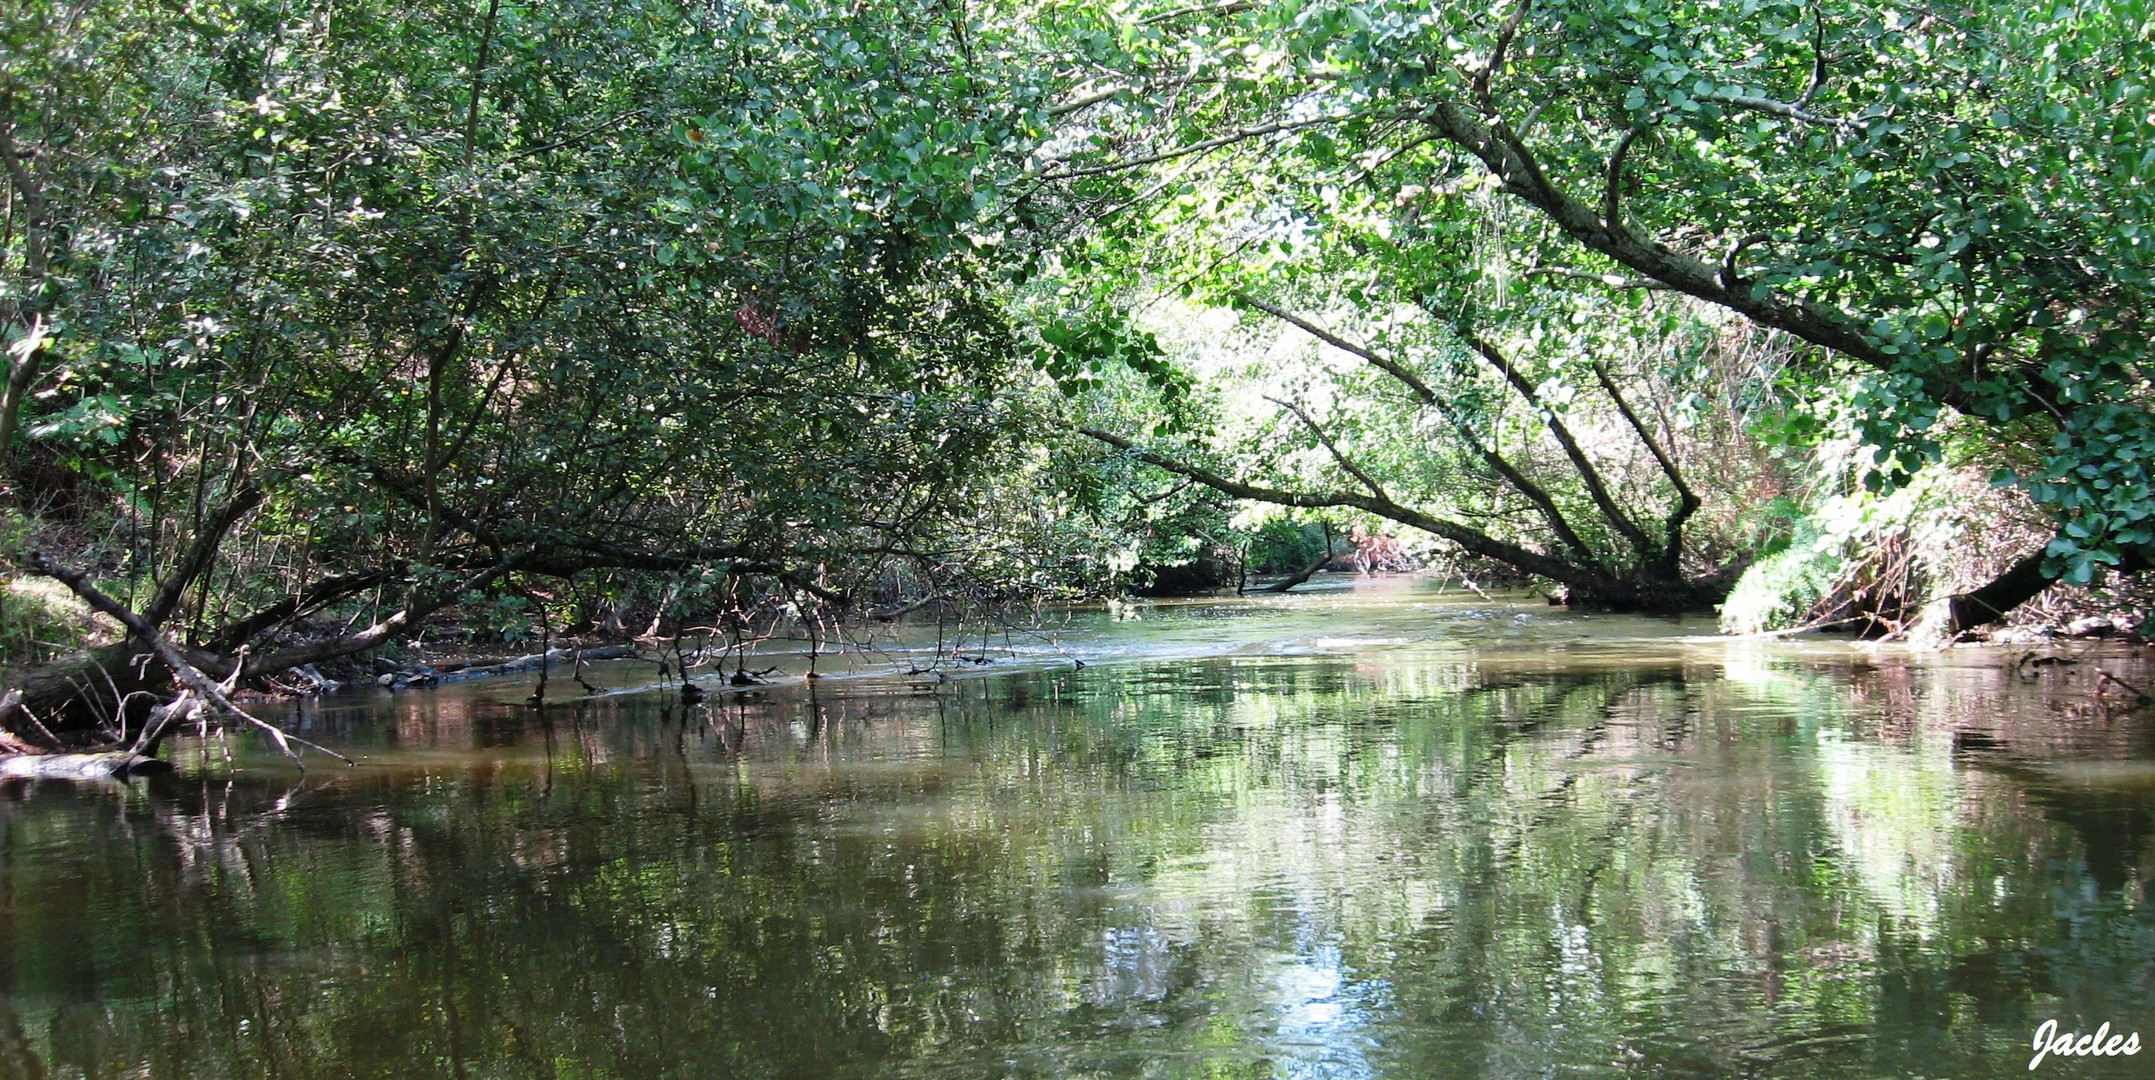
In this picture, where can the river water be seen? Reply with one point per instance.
(1377, 831)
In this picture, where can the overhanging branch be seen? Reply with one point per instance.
(1585, 579)
(1583, 465)
(1545, 505)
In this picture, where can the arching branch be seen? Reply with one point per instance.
(1588, 474)
(1509, 161)
(1687, 501)
(209, 536)
(1587, 580)
(1543, 503)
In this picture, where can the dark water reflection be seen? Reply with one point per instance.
(1638, 856)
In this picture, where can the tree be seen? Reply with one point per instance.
(1951, 202)
(388, 308)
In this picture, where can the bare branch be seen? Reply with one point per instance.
(576, 137)
(1611, 207)
(1231, 7)
(1818, 56)
(1390, 367)
(1309, 569)
(1614, 281)
(478, 80)
(415, 609)
(1729, 277)
(1781, 109)
(326, 591)
(1086, 102)
(169, 655)
(29, 189)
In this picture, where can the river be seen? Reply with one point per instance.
(1377, 831)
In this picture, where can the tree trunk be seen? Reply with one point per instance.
(1955, 615)
(1949, 617)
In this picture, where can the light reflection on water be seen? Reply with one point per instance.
(1375, 834)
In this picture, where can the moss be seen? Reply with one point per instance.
(40, 620)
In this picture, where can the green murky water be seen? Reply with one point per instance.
(1380, 833)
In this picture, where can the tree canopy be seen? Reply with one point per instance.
(356, 313)
(1945, 209)
(463, 294)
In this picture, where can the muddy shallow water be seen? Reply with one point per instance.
(1373, 832)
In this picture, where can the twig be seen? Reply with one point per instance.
(1614, 281)
(2143, 695)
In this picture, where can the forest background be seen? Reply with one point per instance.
(333, 326)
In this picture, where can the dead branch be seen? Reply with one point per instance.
(191, 677)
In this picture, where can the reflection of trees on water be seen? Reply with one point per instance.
(1681, 867)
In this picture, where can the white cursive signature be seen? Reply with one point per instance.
(2072, 1044)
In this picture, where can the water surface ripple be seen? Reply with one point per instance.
(1375, 833)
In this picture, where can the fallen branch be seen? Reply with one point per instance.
(2138, 692)
(215, 696)
(1309, 571)
(537, 662)
(10, 742)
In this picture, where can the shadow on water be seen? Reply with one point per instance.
(1558, 852)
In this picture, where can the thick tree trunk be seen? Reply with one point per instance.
(2020, 583)
(1951, 616)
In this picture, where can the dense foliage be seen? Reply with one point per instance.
(1947, 209)
(465, 297)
